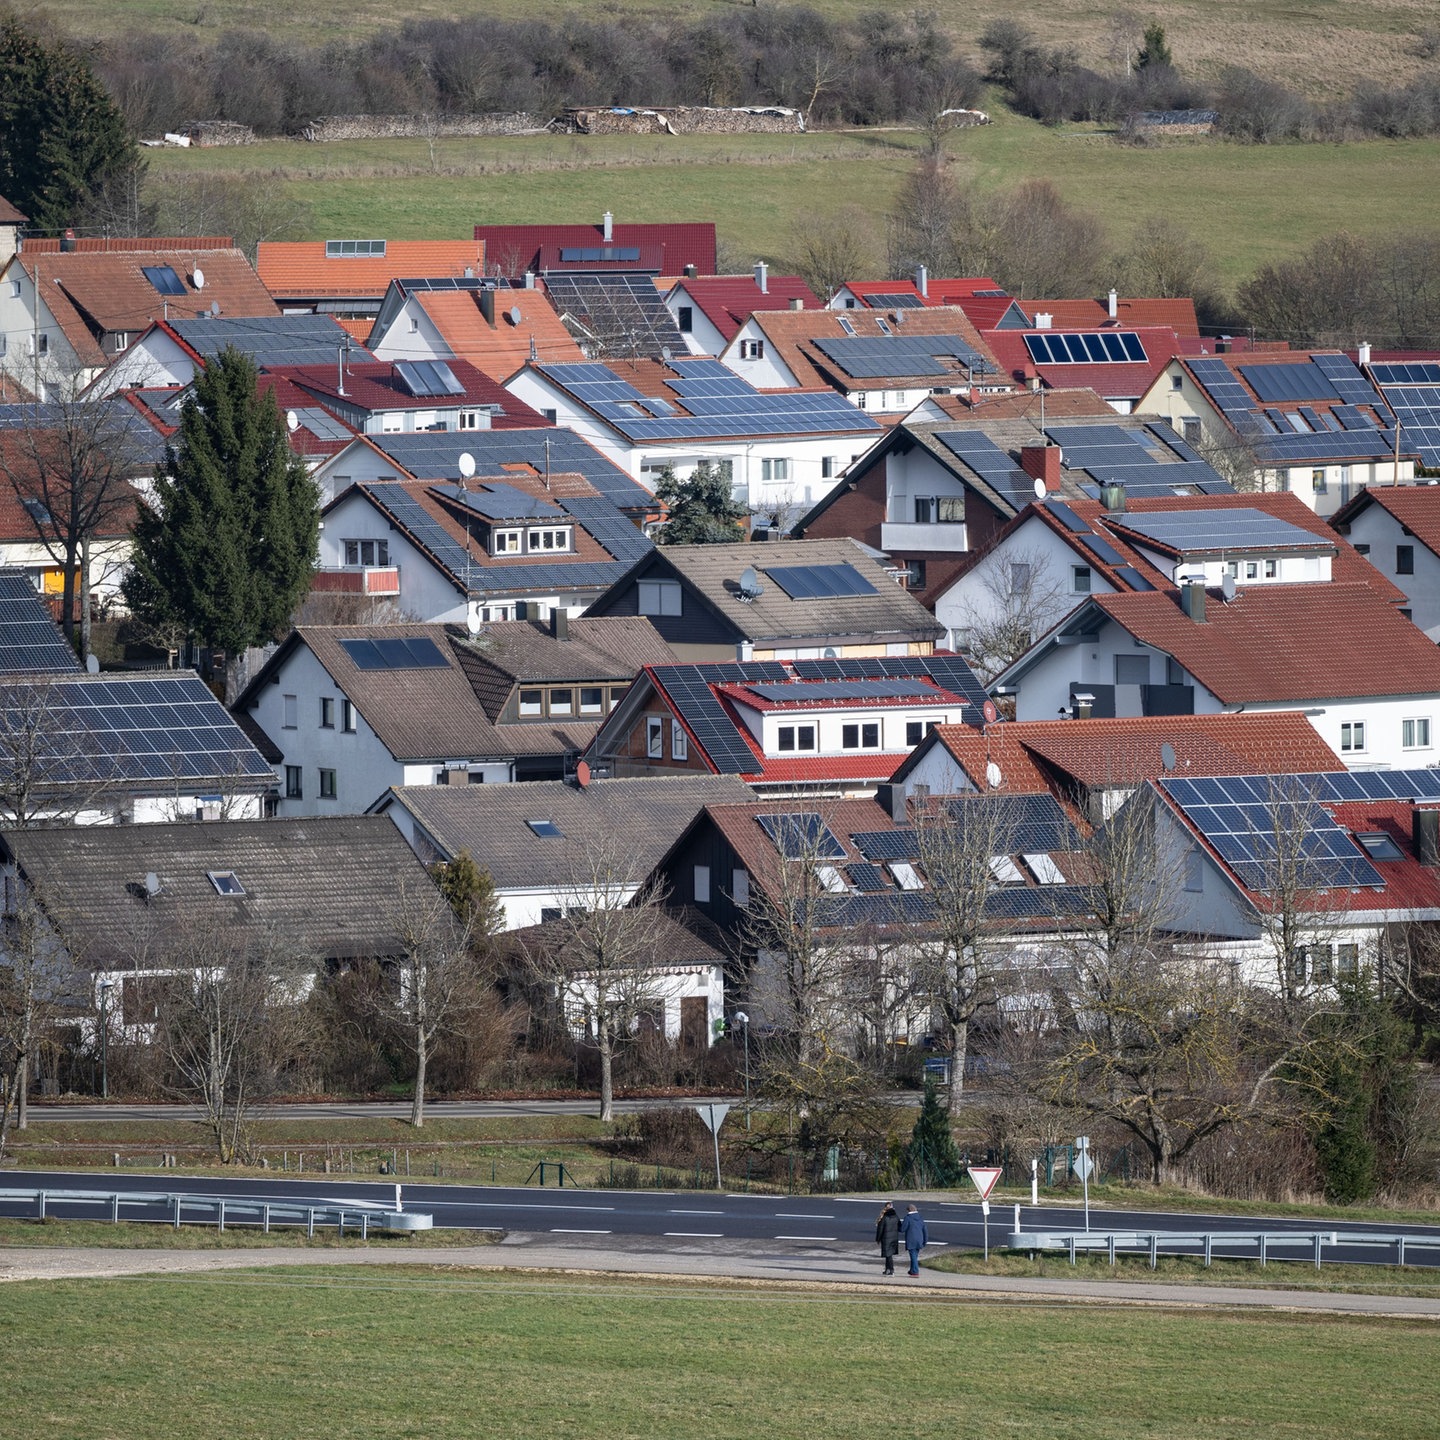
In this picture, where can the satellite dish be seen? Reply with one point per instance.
(292, 421)
(152, 883)
(198, 276)
(515, 316)
(993, 778)
(666, 354)
(750, 585)
(214, 309)
(1227, 588)
(467, 465)
(990, 711)
(582, 774)
(1039, 488)
(92, 665)
(472, 619)
(1167, 755)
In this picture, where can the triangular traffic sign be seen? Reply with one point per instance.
(713, 1116)
(984, 1178)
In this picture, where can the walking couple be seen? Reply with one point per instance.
(890, 1230)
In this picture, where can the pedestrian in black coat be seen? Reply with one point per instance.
(887, 1236)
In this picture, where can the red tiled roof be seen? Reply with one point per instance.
(976, 750)
(1279, 643)
(728, 301)
(1117, 380)
(19, 480)
(300, 269)
(502, 348)
(9, 215)
(1416, 507)
(1025, 405)
(114, 244)
(512, 249)
(376, 385)
(1131, 314)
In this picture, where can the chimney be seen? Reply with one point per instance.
(469, 272)
(1364, 355)
(1427, 836)
(892, 799)
(559, 622)
(1114, 305)
(607, 222)
(487, 306)
(529, 279)
(1044, 322)
(762, 276)
(67, 242)
(798, 303)
(922, 280)
(1112, 497)
(1084, 704)
(691, 271)
(1042, 462)
(1192, 599)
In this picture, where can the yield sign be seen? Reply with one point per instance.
(713, 1116)
(984, 1178)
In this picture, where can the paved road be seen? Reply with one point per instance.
(369, 1109)
(823, 1227)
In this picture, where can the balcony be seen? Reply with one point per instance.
(357, 580)
(936, 538)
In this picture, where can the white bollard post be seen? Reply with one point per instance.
(398, 1206)
(1034, 1182)
(1017, 1219)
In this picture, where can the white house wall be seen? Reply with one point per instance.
(769, 371)
(358, 463)
(703, 337)
(156, 361)
(937, 772)
(1376, 528)
(20, 334)
(412, 335)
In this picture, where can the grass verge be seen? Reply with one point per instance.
(423, 1352)
(129, 1235)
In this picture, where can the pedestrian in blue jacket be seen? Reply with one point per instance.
(914, 1234)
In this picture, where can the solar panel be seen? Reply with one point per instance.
(1411, 373)
(1067, 517)
(1219, 530)
(414, 653)
(802, 835)
(615, 314)
(428, 377)
(164, 279)
(323, 425)
(1110, 347)
(497, 501)
(689, 692)
(846, 690)
(30, 641)
(879, 845)
(1018, 823)
(869, 357)
(1132, 578)
(900, 300)
(991, 463)
(1302, 381)
(867, 879)
(1103, 549)
(820, 582)
(272, 339)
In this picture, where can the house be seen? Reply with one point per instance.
(710, 309)
(94, 303)
(1310, 421)
(932, 491)
(1397, 529)
(478, 546)
(1121, 312)
(620, 316)
(648, 416)
(1366, 677)
(133, 904)
(608, 248)
(172, 353)
(836, 727)
(348, 711)
(882, 362)
(1410, 384)
(1315, 873)
(782, 601)
(142, 748)
(496, 329)
(348, 279)
(1095, 765)
(1120, 365)
(1055, 553)
(532, 839)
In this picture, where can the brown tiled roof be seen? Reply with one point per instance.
(330, 888)
(9, 215)
(1174, 314)
(640, 816)
(1283, 643)
(19, 480)
(1416, 507)
(1026, 405)
(502, 348)
(299, 269)
(975, 750)
(681, 935)
(111, 244)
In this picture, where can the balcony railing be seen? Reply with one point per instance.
(357, 579)
(936, 537)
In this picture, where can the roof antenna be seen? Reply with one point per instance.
(534, 354)
(547, 462)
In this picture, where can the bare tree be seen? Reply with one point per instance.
(51, 771)
(1011, 599)
(827, 250)
(603, 958)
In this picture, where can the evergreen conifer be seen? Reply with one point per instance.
(931, 1155)
(703, 509)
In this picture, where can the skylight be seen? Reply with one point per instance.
(346, 249)
(546, 829)
(1379, 846)
(164, 279)
(225, 882)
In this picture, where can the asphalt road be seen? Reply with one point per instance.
(366, 1109)
(818, 1226)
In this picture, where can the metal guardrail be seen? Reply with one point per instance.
(223, 1210)
(1152, 1242)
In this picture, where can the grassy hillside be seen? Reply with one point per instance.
(1315, 46)
(1251, 204)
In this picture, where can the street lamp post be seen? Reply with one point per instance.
(744, 1022)
(105, 1039)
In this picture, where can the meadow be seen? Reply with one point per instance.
(429, 1352)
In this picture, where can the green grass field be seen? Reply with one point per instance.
(431, 1353)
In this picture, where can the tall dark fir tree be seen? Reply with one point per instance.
(229, 548)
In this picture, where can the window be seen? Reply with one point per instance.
(1174, 671)
(1319, 957)
(861, 737)
(343, 249)
(226, 882)
(659, 597)
(552, 540)
(163, 279)
(122, 340)
(1361, 549)
(914, 574)
(1195, 871)
(469, 420)
(347, 717)
(924, 509)
(831, 881)
(292, 712)
(327, 712)
(1252, 569)
(1272, 569)
(1347, 962)
(1352, 736)
(904, 875)
(546, 830)
(592, 700)
(1190, 430)
(740, 887)
(1404, 559)
(702, 884)
(1317, 481)
(392, 422)
(796, 737)
(828, 469)
(532, 702)
(685, 319)
(1020, 573)
(1415, 734)
(294, 783)
(654, 737)
(367, 552)
(327, 784)
(42, 343)
(550, 913)
(562, 702)
(414, 325)
(1177, 382)
(1132, 669)
(1080, 579)
(504, 542)
(752, 349)
(14, 289)
(679, 741)
(774, 469)
(617, 694)
(951, 510)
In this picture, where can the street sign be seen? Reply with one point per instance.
(984, 1178)
(713, 1116)
(1082, 1164)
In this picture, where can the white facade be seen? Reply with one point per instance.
(32, 345)
(410, 335)
(666, 987)
(702, 335)
(795, 732)
(1383, 540)
(155, 360)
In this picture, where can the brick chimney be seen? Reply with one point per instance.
(1042, 462)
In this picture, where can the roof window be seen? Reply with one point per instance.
(1378, 845)
(226, 882)
(164, 279)
(546, 829)
(347, 249)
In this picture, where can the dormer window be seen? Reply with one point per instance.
(505, 542)
(552, 539)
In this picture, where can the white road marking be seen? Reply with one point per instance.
(694, 1235)
(798, 1215)
(697, 1212)
(804, 1237)
(557, 1231)
(500, 1205)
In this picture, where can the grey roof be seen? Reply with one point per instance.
(272, 340)
(1220, 531)
(327, 888)
(30, 641)
(639, 816)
